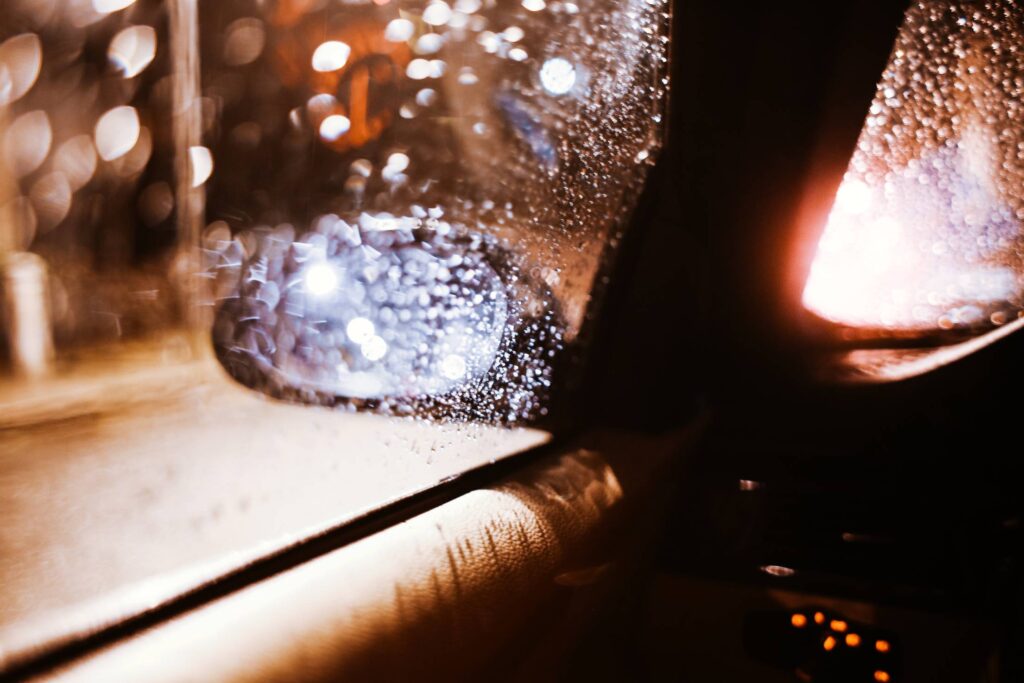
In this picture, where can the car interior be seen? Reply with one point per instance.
(511, 340)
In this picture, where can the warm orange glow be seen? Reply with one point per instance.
(925, 230)
(852, 639)
(819, 618)
(829, 644)
(838, 625)
(882, 676)
(798, 620)
(882, 645)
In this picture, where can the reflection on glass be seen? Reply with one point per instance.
(412, 200)
(925, 233)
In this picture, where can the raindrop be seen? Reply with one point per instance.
(375, 348)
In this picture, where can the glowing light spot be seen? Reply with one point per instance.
(320, 279)
(398, 161)
(453, 366)
(467, 6)
(201, 161)
(132, 50)
(21, 57)
(245, 40)
(854, 197)
(534, 5)
(517, 54)
(51, 198)
(852, 640)
(829, 644)
(134, 162)
(27, 142)
(374, 348)
(798, 620)
(334, 126)
(418, 69)
(777, 570)
(331, 56)
(513, 34)
(117, 132)
(838, 625)
(429, 43)
(399, 30)
(437, 13)
(426, 97)
(882, 676)
(360, 330)
(819, 618)
(76, 159)
(558, 76)
(110, 6)
(882, 645)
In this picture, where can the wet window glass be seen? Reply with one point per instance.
(268, 266)
(410, 201)
(925, 233)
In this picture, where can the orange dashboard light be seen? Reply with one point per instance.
(838, 625)
(882, 645)
(798, 620)
(882, 676)
(852, 639)
(829, 644)
(819, 618)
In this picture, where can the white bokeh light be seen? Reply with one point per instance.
(558, 76)
(334, 126)
(320, 279)
(331, 56)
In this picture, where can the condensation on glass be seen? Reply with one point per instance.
(89, 243)
(409, 203)
(925, 233)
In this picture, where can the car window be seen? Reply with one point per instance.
(925, 233)
(269, 267)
